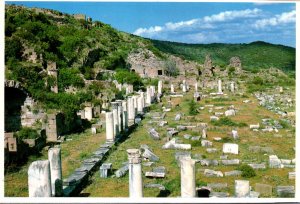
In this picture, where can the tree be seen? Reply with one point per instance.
(171, 69)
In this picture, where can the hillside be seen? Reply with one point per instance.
(255, 55)
(46, 48)
(39, 40)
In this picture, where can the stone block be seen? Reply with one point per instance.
(212, 173)
(233, 173)
(231, 148)
(285, 191)
(242, 188)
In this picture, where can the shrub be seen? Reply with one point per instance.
(247, 171)
(171, 68)
(27, 133)
(192, 107)
(125, 76)
(227, 122)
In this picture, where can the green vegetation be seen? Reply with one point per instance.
(253, 55)
(192, 107)
(125, 76)
(171, 68)
(27, 133)
(225, 121)
(247, 171)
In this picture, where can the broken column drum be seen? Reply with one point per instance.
(220, 86)
(109, 121)
(135, 173)
(188, 185)
(54, 157)
(39, 181)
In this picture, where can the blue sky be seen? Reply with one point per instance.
(197, 22)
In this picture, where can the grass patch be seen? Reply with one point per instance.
(225, 121)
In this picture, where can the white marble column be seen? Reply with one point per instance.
(142, 94)
(148, 96)
(140, 104)
(232, 87)
(110, 127)
(188, 183)
(135, 173)
(172, 88)
(54, 157)
(120, 114)
(196, 87)
(159, 87)
(131, 110)
(220, 86)
(116, 122)
(39, 179)
(135, 104)
(184, 86)
(125, 114)
(204, 133)
(242, 188)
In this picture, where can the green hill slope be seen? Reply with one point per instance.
(254, 55)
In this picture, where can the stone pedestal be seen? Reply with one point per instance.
(39, 179)
(105, 170)
(54, 157)
(109, 120)
(242, 188)
(188, 184)
(135, 173)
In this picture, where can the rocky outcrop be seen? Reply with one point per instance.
(236, 63)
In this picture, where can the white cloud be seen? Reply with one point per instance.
(228, 26)
(284, 18)
(230, 15)
(173, 26)
(199, 23)
(150, 30)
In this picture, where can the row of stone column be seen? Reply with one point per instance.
(45, 176)
(123, 112)
(185, 87)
